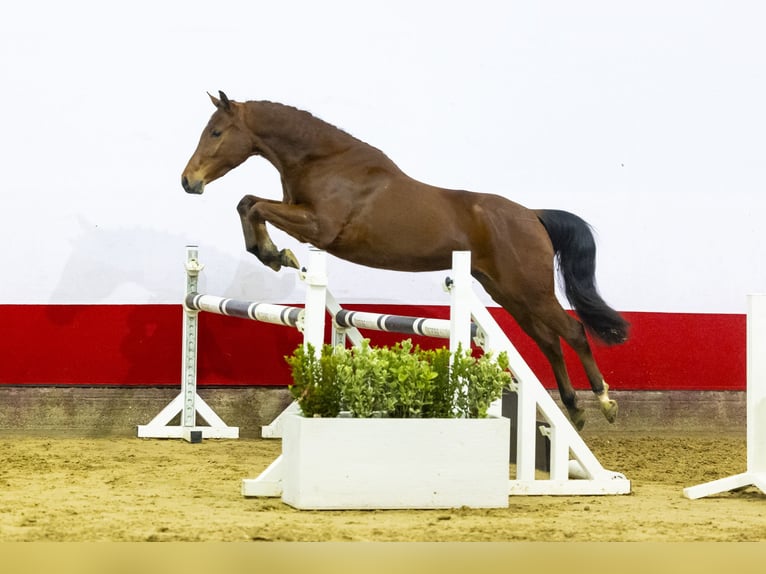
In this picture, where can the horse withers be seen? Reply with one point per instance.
(348, 198)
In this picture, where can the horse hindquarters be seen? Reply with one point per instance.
(521, 279)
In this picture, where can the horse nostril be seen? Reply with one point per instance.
(195, 186)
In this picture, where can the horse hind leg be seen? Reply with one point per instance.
(549, 343)
(257, 238)
(574, 335)
(546, 322)
(551, 348)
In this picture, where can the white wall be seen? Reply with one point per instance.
(646, 118)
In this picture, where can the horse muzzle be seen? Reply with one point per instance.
(195, 187)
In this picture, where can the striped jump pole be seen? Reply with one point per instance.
(263, 312)
(437, 328)
(458, 328)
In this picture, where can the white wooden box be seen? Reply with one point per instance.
(349, 463)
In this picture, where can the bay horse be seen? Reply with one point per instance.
(348, 198)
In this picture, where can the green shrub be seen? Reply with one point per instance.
(315, 384)
(401, 381)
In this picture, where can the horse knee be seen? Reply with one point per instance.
(245, 204)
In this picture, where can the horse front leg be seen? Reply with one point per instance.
(257, 238)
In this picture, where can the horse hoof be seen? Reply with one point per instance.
(609, 408)
(288, 259)
(577, 416)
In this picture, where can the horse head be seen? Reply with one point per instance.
(224, 144)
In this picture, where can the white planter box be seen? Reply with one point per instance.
(347, 463)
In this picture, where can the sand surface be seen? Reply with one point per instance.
(130, 489)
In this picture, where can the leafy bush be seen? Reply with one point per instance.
(401, 381)
(315, 385)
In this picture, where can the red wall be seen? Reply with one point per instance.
(141, 345)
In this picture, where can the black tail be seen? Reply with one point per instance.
(575, 249)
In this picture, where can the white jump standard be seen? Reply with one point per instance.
(188, 403)
(755, 475)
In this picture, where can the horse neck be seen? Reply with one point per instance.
(287, 136)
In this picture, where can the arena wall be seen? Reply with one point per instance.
(117, 411)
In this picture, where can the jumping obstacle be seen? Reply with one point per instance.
(470, 320)
(188, 404)
(755, 475)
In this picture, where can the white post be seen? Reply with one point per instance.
(756, 409)
(460, 302)
(459, 286)
(189, 349)
(756, 384)
(315, 278)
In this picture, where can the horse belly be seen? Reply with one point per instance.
(405, 241)
(383, 258)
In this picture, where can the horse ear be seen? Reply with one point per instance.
(222, 104)
(224, 100)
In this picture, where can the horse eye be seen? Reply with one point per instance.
(216, 133)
